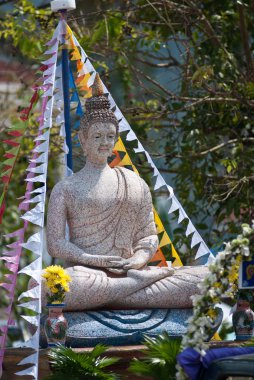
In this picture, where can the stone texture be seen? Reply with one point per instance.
(124, 327)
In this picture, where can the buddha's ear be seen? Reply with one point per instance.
(82, 140)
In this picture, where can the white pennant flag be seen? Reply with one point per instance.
(91, 79)
(51, 60)
(32, 371)
(31, 305)
(139, 149)
(40, 159)
(49, 71)
(124, 125)
(131, 136)
(159, 182)
(182, 215)
(37, 198)
(202, 250)
(38, 178)
(49, 92)
(174, 205)
(29, 359)
(38, 169)
(30, 293)
(47, 123)
(34, 243)
(196, 238)
(58, 72)
(60, 118)
(33, 320)
(49, 80)
(53, 49)
(171, 191)
(34, 217)
(190, 228)
(33, 269)
(42, 148)
(39, 190)
(44, 136)
(33, 342)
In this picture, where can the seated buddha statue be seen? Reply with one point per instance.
(112, 234)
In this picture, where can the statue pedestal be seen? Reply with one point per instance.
(120, 327)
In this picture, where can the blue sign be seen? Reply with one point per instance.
(246, 278)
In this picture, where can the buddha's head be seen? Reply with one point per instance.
(98, 127)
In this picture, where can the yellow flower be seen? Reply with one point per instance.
(56, 281)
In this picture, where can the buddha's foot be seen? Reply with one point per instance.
(150, 274)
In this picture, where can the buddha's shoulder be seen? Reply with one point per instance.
(132, 176)
(66, 184)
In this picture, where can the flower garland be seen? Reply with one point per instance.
(57, 281)
(222, 280)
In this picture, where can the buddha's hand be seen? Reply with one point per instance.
(138, 260)
(100, 261)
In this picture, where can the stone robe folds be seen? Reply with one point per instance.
(119, 229)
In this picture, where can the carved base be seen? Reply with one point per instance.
(122, 327)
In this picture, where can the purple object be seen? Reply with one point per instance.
(192, 362)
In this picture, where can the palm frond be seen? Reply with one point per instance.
(70, 365)
(159, 360)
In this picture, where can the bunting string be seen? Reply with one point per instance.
(37, 172)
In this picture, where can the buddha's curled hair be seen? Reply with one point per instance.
(97, 108)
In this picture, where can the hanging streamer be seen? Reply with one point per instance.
(35, 216)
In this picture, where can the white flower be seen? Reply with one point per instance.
(245, 251)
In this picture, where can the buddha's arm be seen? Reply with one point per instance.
(58, 246)
(145, 241)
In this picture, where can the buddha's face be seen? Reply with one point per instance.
(98, 141)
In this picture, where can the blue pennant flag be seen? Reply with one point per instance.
(75, 97)
(79, 111)
(76, 124)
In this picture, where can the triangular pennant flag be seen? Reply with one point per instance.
(37, 198)
(32, 371)
(39, 190)
(33, 269)
(165, 240)
(39, 178)
(139, 149)
(131, 136)
(177, 262)
(42, 137)
(40, 159)
(29, 359)
(42, 148)
(37, 169)
(35, 218)
(79, 110)
(16, 233)
(75, 97)
(202, 250)
(190, 228)
(174, 205)
(182, 215)
(30, 293)
(31, 305)
(196, 238)
(159, 182)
